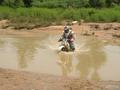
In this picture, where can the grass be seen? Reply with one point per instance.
(32, 17)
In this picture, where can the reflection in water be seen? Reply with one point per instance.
(93, 60)
(90, 62)
(1, 43)
(65, 62)
(26, 48)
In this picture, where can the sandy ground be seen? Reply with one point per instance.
(18, 80)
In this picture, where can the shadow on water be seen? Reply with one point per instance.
(90, 62)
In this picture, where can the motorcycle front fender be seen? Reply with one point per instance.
(60, 47)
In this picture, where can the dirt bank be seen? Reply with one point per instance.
(110, 32)
(18, 80)
(106, 31)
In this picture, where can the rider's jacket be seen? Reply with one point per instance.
(69, 36)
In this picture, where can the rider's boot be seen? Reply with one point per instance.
(72, 46)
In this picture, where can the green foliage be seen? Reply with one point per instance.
(27, 3)
(60, 3)
(27, 17)
(1, 1)
(13, 3)
(97, 3)
(108, 3)
(18, 3)
(47, 12)
(9, 2)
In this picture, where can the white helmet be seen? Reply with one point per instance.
(66, 29)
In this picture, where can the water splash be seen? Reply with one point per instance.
(53, 44)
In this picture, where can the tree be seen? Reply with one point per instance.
(8, 3)
(1, 1)
(81, 3)
(108, 3)
(84, 3)
(101, 3)
(18, 3)
(41, 0)
(93, 3)
(27, 3)
(116, 1)
(13, 3)
(97, 3)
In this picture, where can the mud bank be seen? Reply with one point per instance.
(105, 31)
(109, 32)
(20, 80)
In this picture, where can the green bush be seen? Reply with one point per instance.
(44, 16)
(60, 3)
(13, 3)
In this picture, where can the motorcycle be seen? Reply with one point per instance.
(64, 45)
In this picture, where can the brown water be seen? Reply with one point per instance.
(92, 59)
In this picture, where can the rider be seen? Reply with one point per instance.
(68, 34)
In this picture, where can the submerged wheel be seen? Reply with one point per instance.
(64, 49)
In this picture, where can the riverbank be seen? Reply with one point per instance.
(20, 80)
(109, 32)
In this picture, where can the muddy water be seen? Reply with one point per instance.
(93, 59)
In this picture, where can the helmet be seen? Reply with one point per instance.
(66, 29)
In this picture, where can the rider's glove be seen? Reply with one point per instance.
(59, 40)
(72, 40)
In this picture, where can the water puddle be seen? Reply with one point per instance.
(92, 60)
